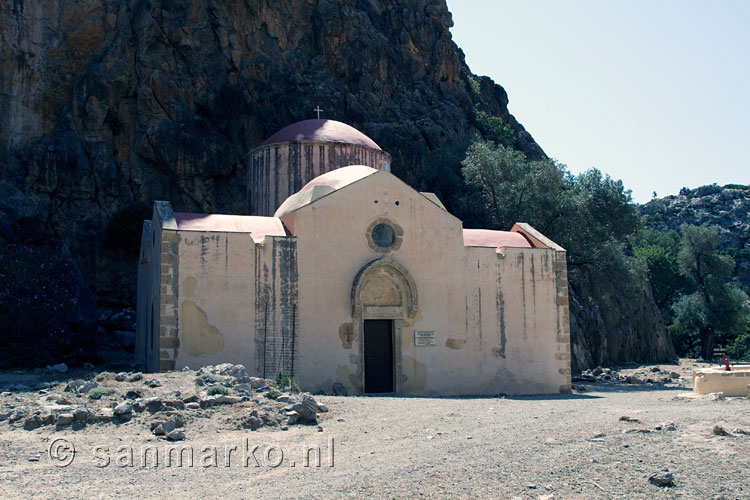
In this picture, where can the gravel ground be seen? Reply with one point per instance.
(569, 446)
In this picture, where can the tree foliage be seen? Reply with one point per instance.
(589, 214)
(658, 251)
(693, 286)
(717, 306)
(494, 128)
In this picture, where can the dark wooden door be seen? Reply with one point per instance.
(378, 355)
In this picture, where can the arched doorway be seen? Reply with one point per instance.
(384, 303)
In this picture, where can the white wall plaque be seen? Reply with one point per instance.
(424, 337)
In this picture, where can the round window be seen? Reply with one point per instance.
(382, 235)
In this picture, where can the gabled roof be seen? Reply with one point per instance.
(434, 199)
(537, 239)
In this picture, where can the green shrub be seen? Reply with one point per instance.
(284, 381)
(739, 349)
(104, 376)
(738, 253)
(98, 392)
(494, 128)
(216, 390)
(135, 377)
(273, 394)
(474, 87)
(736, 186)
(207, 379)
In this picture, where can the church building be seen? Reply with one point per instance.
(344, 273)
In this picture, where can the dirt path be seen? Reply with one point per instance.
(397, 447)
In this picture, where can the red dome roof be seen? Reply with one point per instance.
(321, 131)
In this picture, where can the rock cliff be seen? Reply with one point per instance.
(609, 326)
(108, 105)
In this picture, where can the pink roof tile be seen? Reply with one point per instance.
(258, 227)
(494, 239)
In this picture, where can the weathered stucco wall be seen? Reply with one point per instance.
(465, 295)
(279, 170)
(237, 301)
(276, 329)
(532, 309)
(216, 298)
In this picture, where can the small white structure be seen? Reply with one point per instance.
(735, 382)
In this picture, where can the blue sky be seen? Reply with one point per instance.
(656, 93)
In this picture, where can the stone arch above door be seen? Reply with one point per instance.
(384, 283)
(382, 289)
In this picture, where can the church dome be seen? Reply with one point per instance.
(321, 131)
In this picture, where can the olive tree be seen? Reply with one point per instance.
(717, 305)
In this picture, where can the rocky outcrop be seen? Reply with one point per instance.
(727, 208)
(609, 326)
